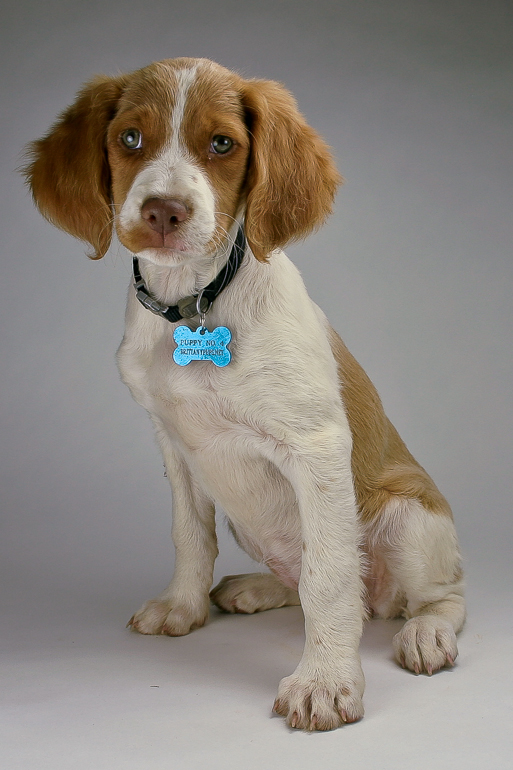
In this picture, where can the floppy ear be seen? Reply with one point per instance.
(68, 171)
(292, 178)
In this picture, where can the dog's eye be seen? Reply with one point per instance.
(132, 139)
(221, 144)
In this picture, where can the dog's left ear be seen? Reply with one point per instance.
(292, 178)
(68, 171)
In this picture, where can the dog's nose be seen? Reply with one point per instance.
(164, 215)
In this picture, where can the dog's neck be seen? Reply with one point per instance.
(211, 272)
(169, 284)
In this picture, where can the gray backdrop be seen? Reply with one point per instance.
(414, 270)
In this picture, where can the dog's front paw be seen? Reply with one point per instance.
(163, 616)
(320, 702)
(425, 644)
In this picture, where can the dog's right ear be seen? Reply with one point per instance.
(68, 171)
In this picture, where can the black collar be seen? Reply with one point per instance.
(187, 307)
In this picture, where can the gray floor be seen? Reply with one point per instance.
(79, 691)
(415, 271)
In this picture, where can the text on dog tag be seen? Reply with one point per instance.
(202, 345)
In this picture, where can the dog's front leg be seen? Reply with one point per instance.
(184, 605)
(327, 687)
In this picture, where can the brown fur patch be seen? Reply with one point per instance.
(68, 171)
(292, 178)
(382, 465)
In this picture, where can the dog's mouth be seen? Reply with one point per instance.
(171, 242)
(171, 247)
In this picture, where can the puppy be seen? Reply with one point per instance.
(257, 405)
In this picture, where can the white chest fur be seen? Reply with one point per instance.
(229, 424)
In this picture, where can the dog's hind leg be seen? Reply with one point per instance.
(254, 592)
(420, 551)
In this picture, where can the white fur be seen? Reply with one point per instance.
(282, 475)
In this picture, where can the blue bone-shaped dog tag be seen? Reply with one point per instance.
(202, 345)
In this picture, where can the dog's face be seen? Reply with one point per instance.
(178, 151)
(173, 154)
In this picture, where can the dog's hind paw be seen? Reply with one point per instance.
(425, 644)
(250, 593)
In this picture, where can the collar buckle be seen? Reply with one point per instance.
(148, 302)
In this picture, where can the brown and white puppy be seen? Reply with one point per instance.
(290, 438)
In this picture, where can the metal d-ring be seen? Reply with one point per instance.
(200, 312)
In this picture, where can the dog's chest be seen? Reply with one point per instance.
(201, 405)
(192, 410)
(206, 415)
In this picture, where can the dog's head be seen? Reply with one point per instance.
(172, 154)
